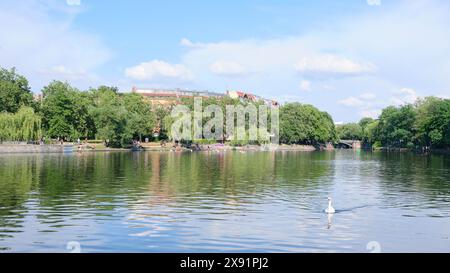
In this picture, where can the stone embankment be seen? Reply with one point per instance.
(28, 148)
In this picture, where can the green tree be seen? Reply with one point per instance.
(109, 115)
(163, 121)
(24, 125)
(65, 111)
(368, 126)
(396, 127)
(305, 124)
(120, 118)
(433, 122)
(364, 122)
(329, 128)
(350, 131)
(370, 132)
(14, 91)
(141, 120)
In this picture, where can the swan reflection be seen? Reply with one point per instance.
(330, 220)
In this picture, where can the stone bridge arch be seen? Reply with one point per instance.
(349, 144)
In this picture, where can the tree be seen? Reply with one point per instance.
(364, 122)
(65, 111)
(24, 125)
(120, 118)
(370, 132)
(433, 122)
(163, 121)
(14, 91)
(305, 124)
(109, 115)
(396, 126)
(350, 131)
(140, 119)
(368, 126)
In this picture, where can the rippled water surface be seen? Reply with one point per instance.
(225, 202)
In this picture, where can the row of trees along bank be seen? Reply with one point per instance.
(423, 124)
(105, 114)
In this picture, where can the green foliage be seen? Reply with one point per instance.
(163, 121)
(65, 112)
(433, 122)
(140, 118)
(350, 131)
(376, 145)
(14, 91)
(305, 124)
(396, 126)
(423, 124)
(205, 141)
(105, 114)
(24, 125)
(222, 103)
(364, 122)
(120, 118)
(370, 132)
(330, 129)
(109, 115)
(100, 113)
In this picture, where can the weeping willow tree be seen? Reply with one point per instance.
(24, 125)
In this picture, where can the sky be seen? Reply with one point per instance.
(350, 58)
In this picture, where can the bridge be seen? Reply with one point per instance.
(349, 144)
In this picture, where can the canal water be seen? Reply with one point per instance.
(225, 202)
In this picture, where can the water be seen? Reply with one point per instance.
(225, 202)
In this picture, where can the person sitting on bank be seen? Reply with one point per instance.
(137, 144)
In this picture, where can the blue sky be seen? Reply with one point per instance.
(350, 58)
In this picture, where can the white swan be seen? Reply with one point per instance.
(330, 209)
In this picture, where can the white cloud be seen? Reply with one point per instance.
(64, 72)
(268, 65)
(364, 99)
(351, 102)
(367, 96)
(365, 102)
(374, 2)
(286, 98)
(73, 2)
(72, 75)
(379, 51)
(386, 50)
(330, 64)
(39, 47)
(369, 106)
(158, 70)
(267, 56)
(227, 68)
(373, 113)
(305, 85)
(254, 55)
(187, 43)
(404, 96)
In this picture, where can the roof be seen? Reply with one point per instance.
(159, 92)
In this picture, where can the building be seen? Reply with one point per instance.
(251, 97)
(165, 97)
(38, 97)
(171, 96)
